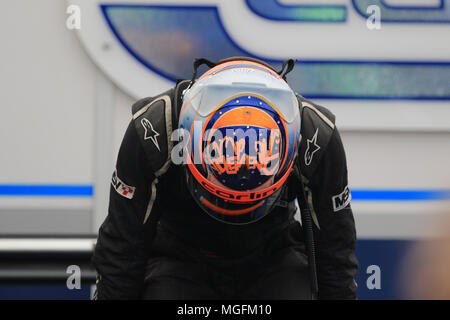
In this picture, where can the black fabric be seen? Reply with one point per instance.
(277, 269)
(336, 239)
(125, 242)
(122, 246)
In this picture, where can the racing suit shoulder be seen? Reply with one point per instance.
(138, 105)
(153, 122)
(155, 118)
(325, 114)
(317, 128)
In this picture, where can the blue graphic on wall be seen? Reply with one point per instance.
(416, 14)
(388, 256)
(166, 39)
(274, 10)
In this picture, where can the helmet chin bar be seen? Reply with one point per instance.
(236, 196)
(229, 212)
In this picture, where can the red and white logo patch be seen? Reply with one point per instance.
(122, 188)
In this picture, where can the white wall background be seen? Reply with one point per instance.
(51, 131)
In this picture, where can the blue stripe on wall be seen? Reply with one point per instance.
(47, 190)
(399, 195)
(54, 190)
(43, 291)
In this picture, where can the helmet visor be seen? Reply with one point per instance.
(206, 99)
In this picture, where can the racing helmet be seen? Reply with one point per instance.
(241, 130)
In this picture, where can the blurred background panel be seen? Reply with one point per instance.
(70, 70)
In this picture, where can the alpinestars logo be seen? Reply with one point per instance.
(150, 133)
(312, 148)
(121, 188)
(340, 201)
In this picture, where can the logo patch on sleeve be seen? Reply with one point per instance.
(312, 148)
(341, 200)
(150, 132)
(123, 189)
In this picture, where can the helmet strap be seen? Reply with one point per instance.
(287, 67)
(197, 63)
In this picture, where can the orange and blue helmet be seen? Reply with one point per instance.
(241, 124)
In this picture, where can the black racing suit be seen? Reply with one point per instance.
(181, 245)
